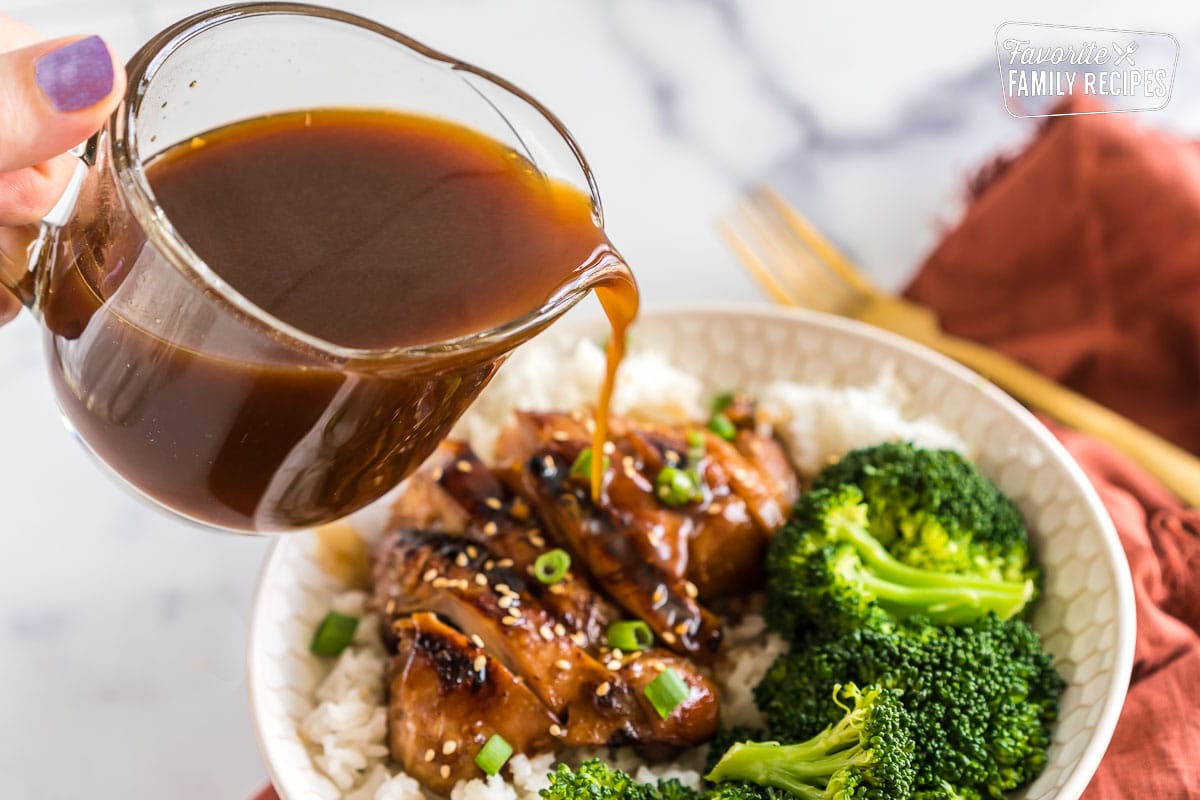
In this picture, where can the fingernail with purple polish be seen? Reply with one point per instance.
(76, 76)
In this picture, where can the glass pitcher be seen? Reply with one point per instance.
(167, 374)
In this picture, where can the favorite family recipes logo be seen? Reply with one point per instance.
(1040, 65)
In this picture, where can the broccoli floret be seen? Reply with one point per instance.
(934, 510)
(981, 697)
(672, 790)
(595, 780)
(742, 790)
(727, 738)
(827, 571)
(866, 755)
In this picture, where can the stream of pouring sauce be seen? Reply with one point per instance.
(619, 298)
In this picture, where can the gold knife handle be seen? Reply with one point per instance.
(1177, 469)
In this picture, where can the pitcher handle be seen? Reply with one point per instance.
(26, 251)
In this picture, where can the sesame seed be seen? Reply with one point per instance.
(436, 474)
(390, 608)
(476, 640)
(461, 559)
(493, 503)
(472, 551)
(579, 638)
(563, 664)
(714, 509)
(509, 621)
(668, 637)
(608, 449)
(548, 462)
(429, 754)
(589, 425)
(503, 588)
(440, 583)
(480, 663)
(559, 629)
(690, 589)
(560, 436)
(603, 689)
(463, 465)
(614, 665)
(671, 457)
(519, 509)
(555, 730)
(536, 540)
(504, 563)
(616, 653)
(505, 601)
(429, 575)
(546, 632)
(558, 588)
(449, 747)
(659, 596)
(489, 564)
(445, 772)
(681, 628)
(480, 579)
(490, 528)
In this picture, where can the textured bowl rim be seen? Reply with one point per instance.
(1125, 612)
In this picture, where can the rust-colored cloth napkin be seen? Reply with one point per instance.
(1081, 258)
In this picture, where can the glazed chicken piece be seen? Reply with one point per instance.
(455, 492)
(717, 542)
(484, 597)
(446, 697)
(771, 487)
(656, 560)
(724, 545)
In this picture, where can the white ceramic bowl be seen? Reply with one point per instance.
(1086, 616)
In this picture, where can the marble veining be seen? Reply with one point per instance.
(123, 632)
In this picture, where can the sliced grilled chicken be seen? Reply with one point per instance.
(456, 492)
(695, 720)
(631, 545)
(725, 546)
(760, 474)
(771, 488)
(485, 598)
(446, 697)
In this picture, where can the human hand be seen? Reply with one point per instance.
(53, 95)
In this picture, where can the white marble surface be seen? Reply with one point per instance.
(122, 634)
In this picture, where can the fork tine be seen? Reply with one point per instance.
(751, 261)
(821, 247)
(803, 271)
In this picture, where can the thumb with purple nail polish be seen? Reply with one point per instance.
(53, 95)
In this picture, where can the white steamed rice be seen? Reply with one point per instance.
(347, 729)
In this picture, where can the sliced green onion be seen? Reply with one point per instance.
(722, 401)
(666, 692)
(493, 755)
(582, 468)
(630, 635)
(334, 634)
(696, 446)
(552, 565)
(721, 426)
(677, 487)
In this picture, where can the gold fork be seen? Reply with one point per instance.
(797, 266)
